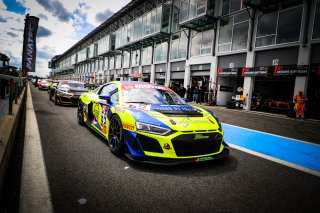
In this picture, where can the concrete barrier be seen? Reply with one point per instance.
(8, 129)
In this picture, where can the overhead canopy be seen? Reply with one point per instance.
(3, 57)
(202, 23)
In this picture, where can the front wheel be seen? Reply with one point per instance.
(80, 113)
(116, 139)
(55, 99)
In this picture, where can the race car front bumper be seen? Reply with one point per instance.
(175, 161)
(179, 147)
(68, 100)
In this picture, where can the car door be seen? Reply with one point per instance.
(101, 109)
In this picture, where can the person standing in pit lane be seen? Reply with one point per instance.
(300, 101)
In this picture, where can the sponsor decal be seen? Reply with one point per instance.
(29, 43)
(255, 71)
(96, 110)
(203, 159)
(104, 117)
(291, 70)
(229, 72)
(120, 108)
(200, 136)
(144, 86)
(127, 126)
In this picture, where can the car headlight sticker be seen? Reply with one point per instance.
(143, 127)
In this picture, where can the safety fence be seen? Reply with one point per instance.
(10, 90)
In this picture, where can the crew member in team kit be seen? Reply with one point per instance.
(300, 100)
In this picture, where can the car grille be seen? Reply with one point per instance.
(149, 144)
(197, 144)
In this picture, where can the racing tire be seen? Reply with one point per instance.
(116, 137)
(55, 100)
(80, 117)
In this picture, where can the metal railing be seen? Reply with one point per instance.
(10, 90)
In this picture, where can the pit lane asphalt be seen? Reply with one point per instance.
(80, 165)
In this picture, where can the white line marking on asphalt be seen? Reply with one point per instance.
(127, 167)
(273, 134)
(35, 194)
(276, 160)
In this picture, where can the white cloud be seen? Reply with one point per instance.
(2, 5)
(64, 33)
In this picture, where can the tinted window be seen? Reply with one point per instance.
(225, 7)
(225, 32)
(316, 26)
(289, 25)
(267, 24)
(152, 96)
(196, 44)
(112, 90)
(240, 36)
(235, 5)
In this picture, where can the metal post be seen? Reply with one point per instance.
(16, 92)
(10, 97)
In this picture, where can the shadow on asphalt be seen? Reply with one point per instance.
(208, 168)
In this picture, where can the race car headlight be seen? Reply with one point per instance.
(142, 127)
(66, 92)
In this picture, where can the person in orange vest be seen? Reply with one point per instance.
(300, 100)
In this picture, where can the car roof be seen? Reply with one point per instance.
(136, 82)
(70, 81)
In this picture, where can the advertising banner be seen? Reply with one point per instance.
(256, 71)
(29, 44)
(291, 70)
(229, 72)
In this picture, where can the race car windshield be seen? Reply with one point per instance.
(73, 85)
(151, 96)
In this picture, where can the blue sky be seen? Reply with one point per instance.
(15, 6)
(62, 24)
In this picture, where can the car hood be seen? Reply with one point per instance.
(177, 117)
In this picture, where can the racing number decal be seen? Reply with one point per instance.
(127, 126)
(96, 110)
(104, 117)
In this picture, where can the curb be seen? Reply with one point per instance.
(8, 128)
(34, 193)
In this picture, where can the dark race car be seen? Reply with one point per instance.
(68, 92)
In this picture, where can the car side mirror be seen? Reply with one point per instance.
(106, 97)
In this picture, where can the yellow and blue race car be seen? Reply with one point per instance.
(151, 123)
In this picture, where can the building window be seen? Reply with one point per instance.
(106, 63)
(316, 25)
(126, 59)
(111, 63)
(160, 52)
(175, 17)
(230, 6)
(135, 58)
(192, 8)
(233, 33)
(201, 42)
(179, 45)
(279, 27)
(118, 61)
(146, 55)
